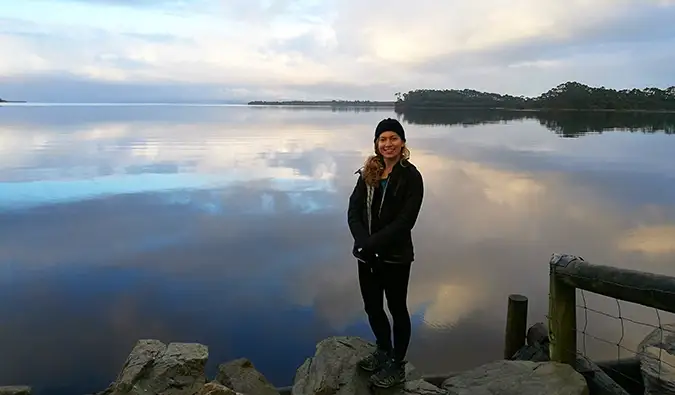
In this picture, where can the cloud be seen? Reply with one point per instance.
(130, 3)
(450, 306)
(304, 48)
(651, 240)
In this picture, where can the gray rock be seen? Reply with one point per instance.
(108, 391)
(657, 360)
(153, 368)
(333, 371)
(214, 388)
(413, 387)
(15, 390)
(536, 349)
(536, 353)
(141, 358)
(179, 371)
(240, 375)
(518, 378)
(537, 334)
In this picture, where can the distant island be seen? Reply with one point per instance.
(324, 103)
(567, 96)
(10, 101)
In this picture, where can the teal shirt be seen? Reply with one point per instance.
(383, 182)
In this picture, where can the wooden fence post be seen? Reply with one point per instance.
(516, 325)
(562, 315)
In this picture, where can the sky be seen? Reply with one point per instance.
(240, 50)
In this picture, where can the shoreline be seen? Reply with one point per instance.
(402, 109)
(568, 96)
(321, 103)
(540, 109)
(154, 368)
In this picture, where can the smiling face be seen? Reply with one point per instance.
(389, 145)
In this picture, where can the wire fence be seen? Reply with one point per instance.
(621, 347)
(611, 331)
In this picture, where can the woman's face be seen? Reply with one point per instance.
(389, 145)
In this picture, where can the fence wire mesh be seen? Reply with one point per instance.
(632, 343)
(613, 330)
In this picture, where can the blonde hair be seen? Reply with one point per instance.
(374, 165)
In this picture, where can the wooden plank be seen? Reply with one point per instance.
(598, 381)
(626, 372)
(647, 289)
(562, 317)
(516, 325)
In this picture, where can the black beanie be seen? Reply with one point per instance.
(389, 125)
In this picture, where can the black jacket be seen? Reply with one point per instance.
(390, 238)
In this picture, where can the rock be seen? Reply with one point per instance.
(536, 353)
(241, 376)
(518, 378)
(214, 388)
(141, 358)
(333, 371)
(413, 387)
(536, 349)
(657, 360)
(15, 390)
(108, 391)
(153, 368)
(537, 335)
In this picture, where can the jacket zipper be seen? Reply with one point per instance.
(379, 212)
(370, 192)
(384, 192)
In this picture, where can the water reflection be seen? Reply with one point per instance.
(226, 225)
(563, 123)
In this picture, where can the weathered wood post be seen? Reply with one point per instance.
(516, 325)
(562, 313)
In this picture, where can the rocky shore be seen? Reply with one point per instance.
(154, 368)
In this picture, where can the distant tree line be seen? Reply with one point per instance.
(330, 103)
(10, 101)
(563, 123)
(567, 96)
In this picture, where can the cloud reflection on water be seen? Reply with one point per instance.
(228, 227)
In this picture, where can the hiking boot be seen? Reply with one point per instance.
(392, 373)
(374, 361)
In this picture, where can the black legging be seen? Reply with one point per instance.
(390, 279)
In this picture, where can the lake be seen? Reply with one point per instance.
(226, 225)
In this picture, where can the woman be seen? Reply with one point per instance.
(383, 209)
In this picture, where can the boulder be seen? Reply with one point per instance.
(153, 368)
(518, 378)
(139, 361)
(535, 353)
(333, 371)
(15, 390)
(657, 360)
(241, 376)
(214, 388)
(536, 349)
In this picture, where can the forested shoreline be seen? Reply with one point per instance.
(567, 96)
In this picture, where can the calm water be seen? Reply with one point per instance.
(227, 226)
